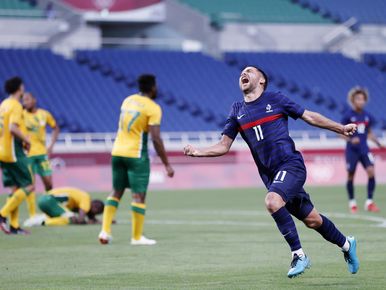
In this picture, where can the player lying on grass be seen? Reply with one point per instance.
(262, 120)
(36, 120)
(140, 115)
(14, 162)
(357, 148)
(66, 205)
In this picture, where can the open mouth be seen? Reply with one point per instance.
(244, 80)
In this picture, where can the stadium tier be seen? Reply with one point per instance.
(373, 11)
(277, 11)
(321, 79)
(195, 90)
(19, 8)
(88, 101)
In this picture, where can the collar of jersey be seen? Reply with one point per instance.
(255, 101)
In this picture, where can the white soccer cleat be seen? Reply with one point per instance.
(143, 241)
(35, 221)
(105, 238)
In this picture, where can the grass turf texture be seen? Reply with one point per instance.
(207, 239)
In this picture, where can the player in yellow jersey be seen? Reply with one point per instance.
(14, 162)
(66, 205)
(130, 161)
(36, 120)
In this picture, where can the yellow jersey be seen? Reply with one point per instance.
(75, 198)
(137, 114)
(11, 112)
(36, 124)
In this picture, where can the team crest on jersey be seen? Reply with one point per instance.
(268, 109)
(353, 119)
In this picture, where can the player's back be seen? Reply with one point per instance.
(73, 197)
(137, 113)
(10, 147)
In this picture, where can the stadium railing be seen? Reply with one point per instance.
(174, 141)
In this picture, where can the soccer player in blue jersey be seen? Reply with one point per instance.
(262, 120)
(357, 148)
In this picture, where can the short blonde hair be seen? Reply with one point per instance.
(356, 91)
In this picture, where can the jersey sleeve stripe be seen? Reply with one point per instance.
(261, 121)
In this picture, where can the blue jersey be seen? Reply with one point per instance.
(364, 121)
(263, 124)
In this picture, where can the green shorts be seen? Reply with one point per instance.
(50, 206)
(41, 165)
(17, 174)
(131, 173)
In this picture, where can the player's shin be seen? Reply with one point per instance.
(138, 219)
(287, 227)
(329, 231)
(58, 221)
(14, 218)
(14, 201)
(350, 189)
(109, 211)
(370, 188)
(31, 204)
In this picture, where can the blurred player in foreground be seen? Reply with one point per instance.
(140, 114)
(262, 120)
(36, 120)
(78, 208)
(14, 162)
(357, 148)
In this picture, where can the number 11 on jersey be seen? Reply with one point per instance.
(259, 132)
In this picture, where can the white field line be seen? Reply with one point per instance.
(379, 221)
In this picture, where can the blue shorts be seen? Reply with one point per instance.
(353, 157)
(288, 181)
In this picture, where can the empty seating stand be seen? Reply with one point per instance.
(20, 8)
(278, 11)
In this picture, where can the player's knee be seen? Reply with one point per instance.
(350, 176)
(30, 188)
(273, 202)
(139, 197)
(48, 186)
(370, 171)
(313, 222)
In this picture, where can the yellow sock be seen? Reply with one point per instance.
(57, 221)
(138, 219)
(13, 202)
(31, 204)
(109, 211)
(14, 218)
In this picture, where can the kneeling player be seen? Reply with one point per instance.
(78, 208)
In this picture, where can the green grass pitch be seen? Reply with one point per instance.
(207, 239)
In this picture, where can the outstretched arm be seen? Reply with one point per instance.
(374, 138)
(318, 120)
(218, 149)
